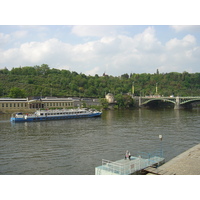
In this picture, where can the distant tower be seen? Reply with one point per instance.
(156, 88)
(133, 88)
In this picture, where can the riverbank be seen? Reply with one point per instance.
(187, 163)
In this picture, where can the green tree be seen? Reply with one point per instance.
(104, 103)
(120, 100)
(17, 93)
(4, 71)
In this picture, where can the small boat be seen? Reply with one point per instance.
(43, 115)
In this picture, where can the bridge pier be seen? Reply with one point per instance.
(177, 104)
(140, 101)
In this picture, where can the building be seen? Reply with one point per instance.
(26, 104)
(32, 104)
(110, 98)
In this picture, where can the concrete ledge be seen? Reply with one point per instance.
(187, 163)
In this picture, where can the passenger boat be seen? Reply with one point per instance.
(43, 115)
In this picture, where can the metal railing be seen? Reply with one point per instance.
(122, 169)
(142, 161)
(152, 157)
(118, 168)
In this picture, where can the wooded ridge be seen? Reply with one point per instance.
(43, 81)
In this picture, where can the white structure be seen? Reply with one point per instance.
(110, 98)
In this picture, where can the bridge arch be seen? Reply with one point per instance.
(178, 102)
(159, 99)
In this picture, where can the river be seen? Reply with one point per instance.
(77, 146)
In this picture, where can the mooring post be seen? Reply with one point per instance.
(161, 148)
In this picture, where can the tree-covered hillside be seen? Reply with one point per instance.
(43, 81)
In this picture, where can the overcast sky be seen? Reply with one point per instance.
(95, 49)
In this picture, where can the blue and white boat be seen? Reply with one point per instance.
(43, 115)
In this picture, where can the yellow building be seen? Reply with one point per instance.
(24, 104)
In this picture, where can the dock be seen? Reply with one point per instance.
(157, 171)
(187, 163)
(128, 167)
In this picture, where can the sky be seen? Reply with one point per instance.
(98, 49)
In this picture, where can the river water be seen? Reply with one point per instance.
(77, 146)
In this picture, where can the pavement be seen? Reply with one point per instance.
(187, 163)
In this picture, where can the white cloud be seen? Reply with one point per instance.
(19, 34)
(193, 28)
(94, 30)
(4, 38)
(93, 71)
(115, 54)
(147, 41)
(13, 38)
(187, 42)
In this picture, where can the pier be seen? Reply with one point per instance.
(187, 163)
(133, 166)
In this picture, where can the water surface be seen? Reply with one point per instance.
(77, 146)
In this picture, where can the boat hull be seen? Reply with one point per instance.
(47, 118)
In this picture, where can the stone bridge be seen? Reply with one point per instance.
(179, 102)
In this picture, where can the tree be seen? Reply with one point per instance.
(124, 101)
(125, 76)
(17, 93)
(1, 90)
(4, 71)
(120, 100)
(104, 103)
(44, 69)
(33, 80)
